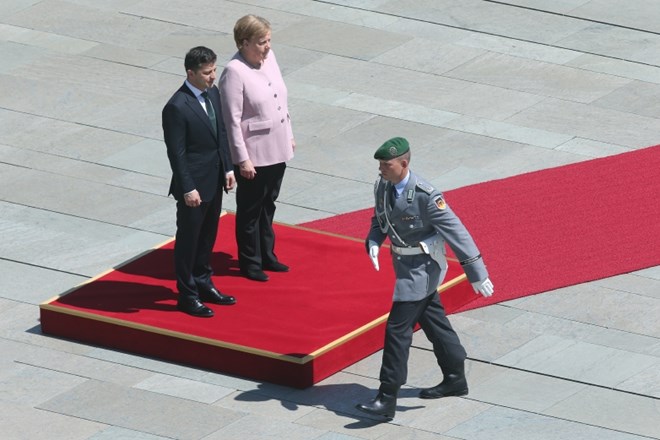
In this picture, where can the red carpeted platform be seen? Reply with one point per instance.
(297, 329)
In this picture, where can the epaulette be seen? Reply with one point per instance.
(428, 189)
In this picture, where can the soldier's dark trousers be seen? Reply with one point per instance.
(430, 314)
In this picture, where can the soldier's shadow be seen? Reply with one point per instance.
(338, 398)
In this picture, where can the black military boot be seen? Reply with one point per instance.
(383, 405)
(453, 384)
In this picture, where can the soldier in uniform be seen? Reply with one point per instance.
(418, 221)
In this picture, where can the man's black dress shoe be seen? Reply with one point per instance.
(451, 385)
(195, 308)
(276, 267)
(255, 274)
(214, 296)
(383, 405)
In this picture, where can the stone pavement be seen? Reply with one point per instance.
(482, 89)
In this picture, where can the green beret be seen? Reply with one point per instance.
(392, 148)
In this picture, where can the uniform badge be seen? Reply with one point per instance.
(440, 202)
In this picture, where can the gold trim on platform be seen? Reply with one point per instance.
(214, 342)
(172, 333)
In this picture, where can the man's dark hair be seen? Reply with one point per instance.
(198, 56)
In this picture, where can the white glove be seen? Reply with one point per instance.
(484, 287)
(373, 254)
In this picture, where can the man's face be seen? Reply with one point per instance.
(204, 77)
(393, 170)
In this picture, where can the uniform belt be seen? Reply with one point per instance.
(406, 250)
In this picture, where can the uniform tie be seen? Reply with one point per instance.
(210, 112)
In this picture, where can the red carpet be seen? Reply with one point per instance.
(296, 329)
(556, 227)
(537, 232)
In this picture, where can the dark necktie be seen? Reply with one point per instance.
(211, 112)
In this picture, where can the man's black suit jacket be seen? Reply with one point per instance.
(199, 159)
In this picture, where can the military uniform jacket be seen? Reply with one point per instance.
(421, 214)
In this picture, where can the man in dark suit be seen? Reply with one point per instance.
(197, 148)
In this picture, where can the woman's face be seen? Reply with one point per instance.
(255, 50)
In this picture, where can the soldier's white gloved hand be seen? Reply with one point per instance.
(373, 254)
(484, 287)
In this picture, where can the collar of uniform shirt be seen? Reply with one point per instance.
(399, 187)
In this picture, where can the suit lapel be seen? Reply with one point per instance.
(196, 107)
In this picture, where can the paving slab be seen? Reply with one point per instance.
(76, 171)
(623, 340)
(371, 79)
(612, 409)
(44, 190)
(256, 427)
(615, 42)
(646, 383)
(90, 23)
(652, 273)
(339, 38)
(640, 98)
(341, 12)
(20, 324)
(344, 426)
(60, 138)
(590, 122)
(592, 149)
(183, 388)
(579, 361)
(599, 306)
(484, 340)
(141, 410)
(631, 283)
(500, 423)
(113, 432)
(82, 366)
(642, 15)
(321, 121)
(618, 67)
(29, 386)
(23, 422)
(521, 49)
(509, 132)
(30, 284)
(538, 77)
(496, 18)
(427, 55)
(257, 401)
(15, 55)
(440, 415)
(62, 242)
(526, 391)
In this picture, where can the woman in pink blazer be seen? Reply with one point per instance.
(256, 114)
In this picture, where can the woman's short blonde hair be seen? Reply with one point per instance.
(248, 27)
